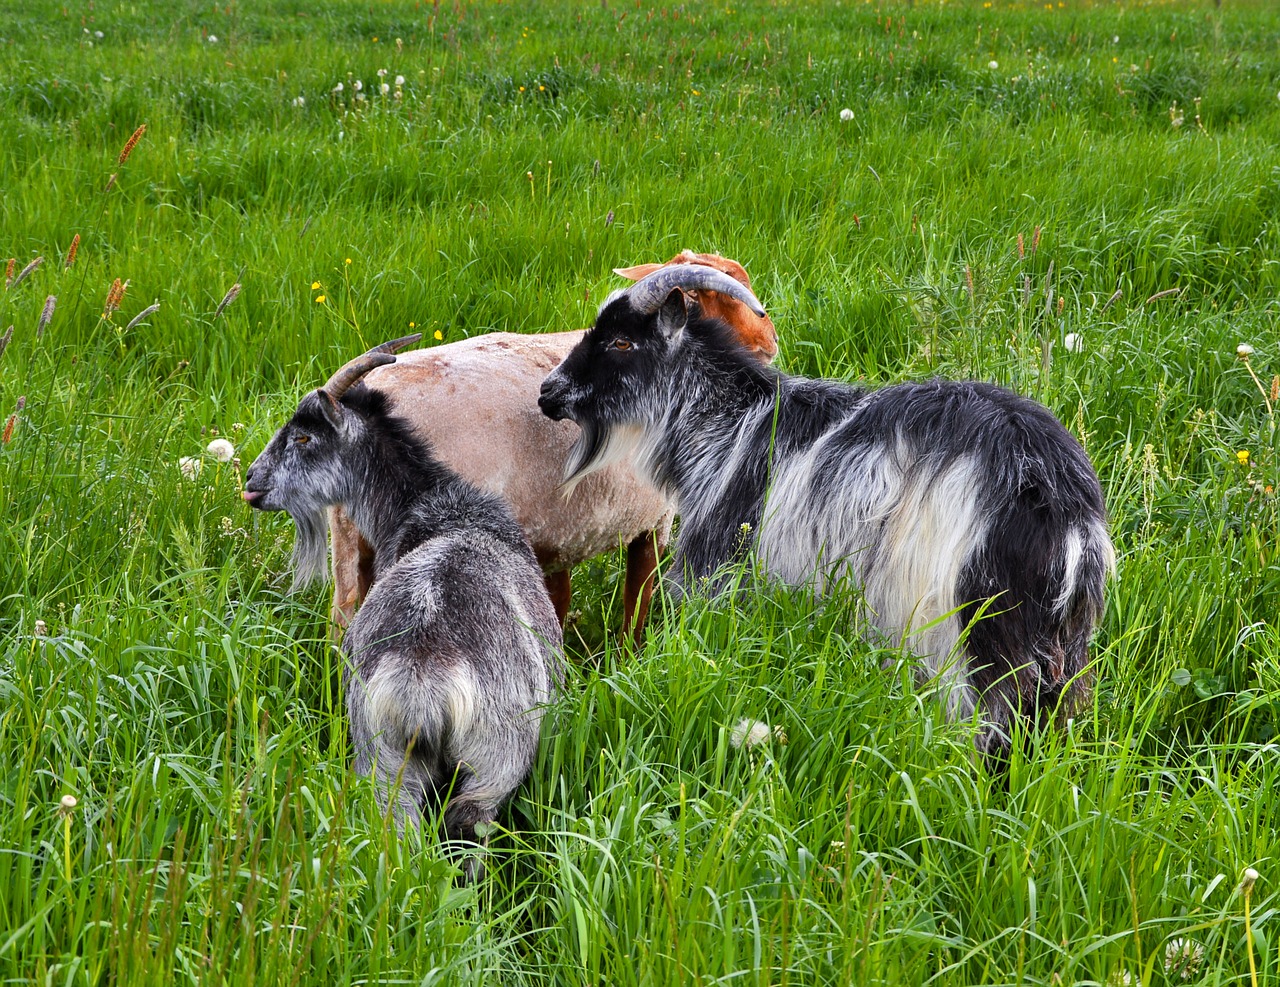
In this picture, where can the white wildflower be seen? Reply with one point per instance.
(213, 39)
(1115, 40)
(41, 629)
(1244, 350)
(382, 73)
(846, 114)
(338, 88)
(749, 733)
(357, 85)
(399, 80)
(67, 803)
(1183, 958)
(190, 467)
(993, 65)
(98, 34)
(1073, 342)
(1248, 880)
(221, 450)
(384, 88)
(299, 101)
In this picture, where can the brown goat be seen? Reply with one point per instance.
(476, 403)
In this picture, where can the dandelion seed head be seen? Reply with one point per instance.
(846, 115)
(1183, 958)
(1244, 351)
(221, 450)
(67, 803)
(1073, 342)
(993, 65)
(189, 466)
(399, 80)
(749, 733)
(41, 629)
(213, 39)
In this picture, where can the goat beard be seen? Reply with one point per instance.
(310, 548)
(599, 446)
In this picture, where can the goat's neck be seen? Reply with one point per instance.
(383, 496)
(710, 405)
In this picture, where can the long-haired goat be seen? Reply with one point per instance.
(457, 647)
(971, 519)
(475, 403)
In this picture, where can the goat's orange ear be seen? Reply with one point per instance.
(637, 272)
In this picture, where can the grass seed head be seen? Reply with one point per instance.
(232, 293)
(26, 271)
(131, 143)
(46, 315)
(73, 250)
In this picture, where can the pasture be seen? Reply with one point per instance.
(1076, 199)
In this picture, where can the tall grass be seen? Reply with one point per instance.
(1014, 178)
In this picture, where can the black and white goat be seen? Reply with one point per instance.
(970, 518)
(456, 648)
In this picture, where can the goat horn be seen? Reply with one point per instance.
(380, 355)
(649, 292)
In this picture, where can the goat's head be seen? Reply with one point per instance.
(307, 466)
(754, 330)
(613, 384)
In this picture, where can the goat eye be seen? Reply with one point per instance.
(302, 439)
(622, 344)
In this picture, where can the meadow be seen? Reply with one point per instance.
(1078, 200)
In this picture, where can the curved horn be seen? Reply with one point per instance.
(380, 355)
(648, 293)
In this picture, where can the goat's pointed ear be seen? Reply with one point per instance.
(331, 408)
(637, 272)
(673, 315)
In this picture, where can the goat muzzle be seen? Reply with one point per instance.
(551, 399)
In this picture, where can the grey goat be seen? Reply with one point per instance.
(457, 648)
(971, 520)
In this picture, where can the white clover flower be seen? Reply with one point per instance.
(749, 733)
(993, 65)
(1073, 342)
(1244, 350)
(399, 80)
(1183, 958)
(384, 88)
(299, 101)
(846, 114)
(357, 85)
(221, 450)
(190, 467)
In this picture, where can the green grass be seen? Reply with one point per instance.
(193, 710)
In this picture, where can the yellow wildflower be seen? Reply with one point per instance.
(348, 260)
(315, 285)
(1243, 457)
(438, 334)
(319, 299)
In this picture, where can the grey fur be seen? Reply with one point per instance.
(456, 650)
(969, 518)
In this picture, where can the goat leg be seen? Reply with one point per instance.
(637, 590)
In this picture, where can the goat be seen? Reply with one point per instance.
(970, 518)
(457, 647)
(475, 403)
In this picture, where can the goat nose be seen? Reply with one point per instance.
(551, 398)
